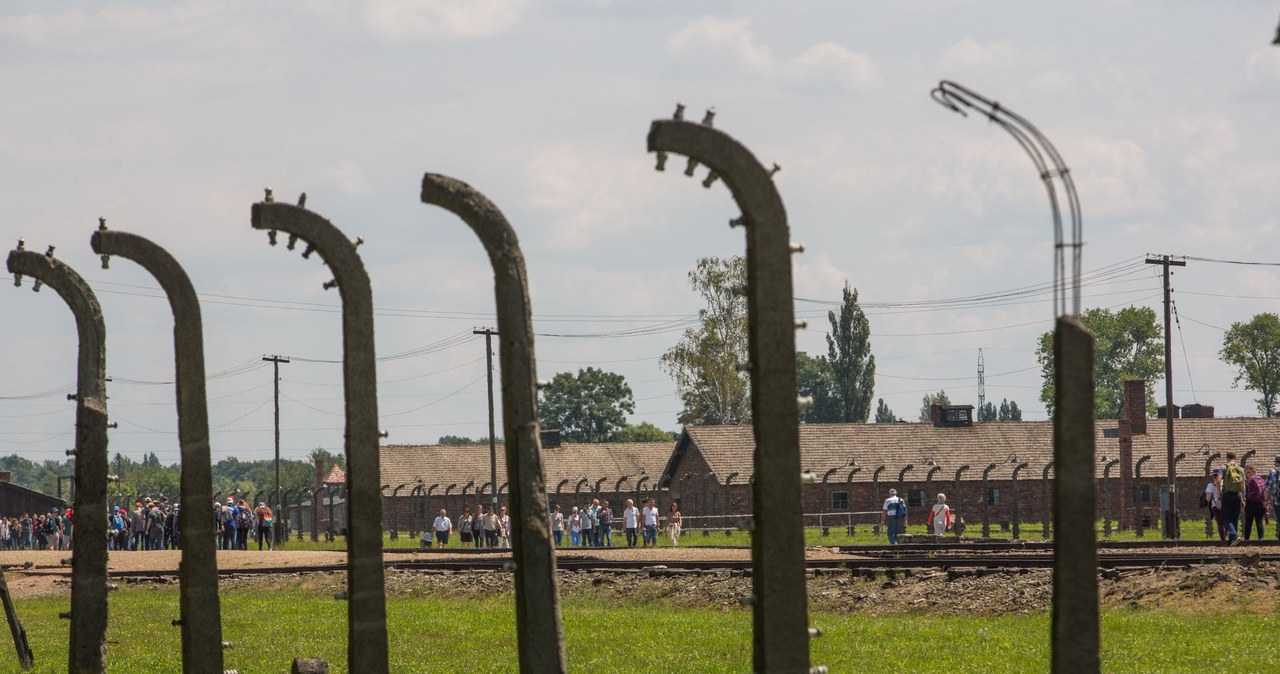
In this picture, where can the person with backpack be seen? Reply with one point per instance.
(893, 516)
(155, 528)
(227, 524)
(940, 516)
(1232, 497)
(1272, 487)
(244, 524)
(264, 517)
(1255, 501)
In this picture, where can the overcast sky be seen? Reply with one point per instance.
(170, 118)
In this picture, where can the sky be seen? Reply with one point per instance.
(169, 120)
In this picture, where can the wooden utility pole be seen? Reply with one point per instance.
(275, 361)
(493, 445)
(1172, 527)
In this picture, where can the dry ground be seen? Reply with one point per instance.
(924, 591)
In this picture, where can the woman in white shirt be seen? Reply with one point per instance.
(557, 525)
(575, 526)
(940, 516)
(1213, 493)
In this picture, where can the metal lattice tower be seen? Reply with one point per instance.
(982, 382)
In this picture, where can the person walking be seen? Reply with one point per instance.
(504, 529)
(264, 517)
(477, 527)
(443, 526)
(1232, 497)
(674, 523)
(464, 527)
(605, 516)
(940, 516)
(587, 519)
(893, 516)
(1213, 495)
(575, 527)
(649, 516)
(1272, 487)
(557, 525)
(630, 520)
(138, 526)
(1255, 501)
(491, 526)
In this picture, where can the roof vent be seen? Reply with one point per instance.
(550, 439)
(952, 415)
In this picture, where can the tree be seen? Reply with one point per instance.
(1254, 349)
(1127, 345)
(815, 379)
(589, 407)
(1009, 411)
(853, 366)
(460, 440)
(704, 364)
(988, 412)
(884, 415)
(643, 432)
(929, 400)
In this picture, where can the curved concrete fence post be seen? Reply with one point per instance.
(1075, 631)
(849, 482)
(779, 601)
(1017, 513)
(986, 500)
(540, 632)
(1139, 527)
(366, 605)
(199, 606)
(88, 652)
(1106, 496)
(1047, 514)
(955, 490)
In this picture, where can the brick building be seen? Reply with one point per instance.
(422, 479)
(851, 467)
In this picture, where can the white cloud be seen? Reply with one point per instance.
(711, 40)
(163, 23)
(348, 177)
(1113, 178)
(399, 20)
(711, 37)
(832, 64)
(969, 53)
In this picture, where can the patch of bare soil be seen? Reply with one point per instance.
(915, 591)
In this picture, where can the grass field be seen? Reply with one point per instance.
(837, 535)
(429, 634)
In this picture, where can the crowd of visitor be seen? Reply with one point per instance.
(31, 531)
(590, 526)
(1234, 490)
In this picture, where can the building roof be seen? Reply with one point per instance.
(823, 447)
(565, 465)
(335, 476)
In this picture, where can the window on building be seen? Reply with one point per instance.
(839, 500)
(958, 416)
(1144, 494)
(993, 496)
(915, 498)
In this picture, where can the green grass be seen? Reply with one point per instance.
(837, 535)
(478, 634)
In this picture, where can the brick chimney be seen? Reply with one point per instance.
(6, 476)
(1135, 405)
(935, 414)
(1133, 423)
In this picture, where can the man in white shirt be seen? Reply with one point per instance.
(630, 520)
(650, 514)
(443, 527)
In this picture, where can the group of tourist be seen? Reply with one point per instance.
(591, 525)
(236, 523)
(51, 531)
(1234, 490)
(151, 525)
(893, 516)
